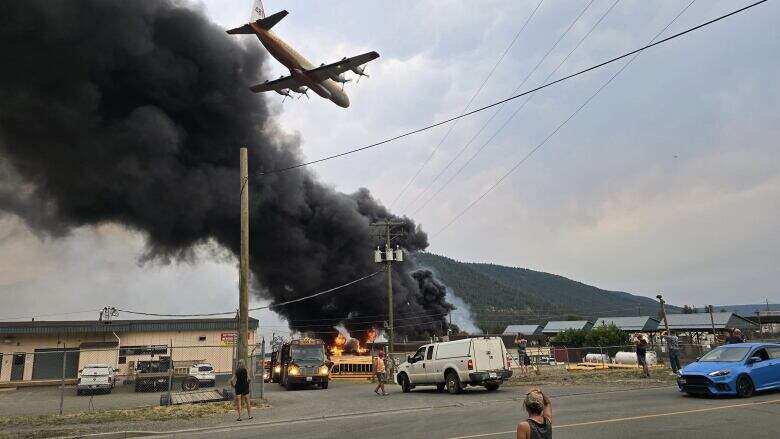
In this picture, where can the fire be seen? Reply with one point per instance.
(371, 335)
(338, 345)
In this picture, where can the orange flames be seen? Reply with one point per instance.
(341, 344)
(338, 345)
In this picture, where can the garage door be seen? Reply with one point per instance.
(47, 363)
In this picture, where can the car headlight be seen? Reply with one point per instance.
(720, 373)
(293, 370)
(277, 369)
(323, 370)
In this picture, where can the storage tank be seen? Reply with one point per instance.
(630, 358)
(597, 358)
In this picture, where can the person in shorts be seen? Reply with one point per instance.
(538, 425)
(641, 354)
(522, 354)
(379, 372)
(240, 383)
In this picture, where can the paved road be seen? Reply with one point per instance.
(659, 412)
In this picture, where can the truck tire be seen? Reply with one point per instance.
(403, 380)
(453, 383)
(190, 383)
(491, 387)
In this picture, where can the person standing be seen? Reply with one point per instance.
(538, 425)
(522, 354)
(735, 337)
(641, 354)
(379, 372)
(240, 383)
(673, 345)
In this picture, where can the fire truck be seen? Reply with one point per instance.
(301, 362)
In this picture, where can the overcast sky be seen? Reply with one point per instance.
(668, 180)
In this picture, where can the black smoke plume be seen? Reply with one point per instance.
(133, 112)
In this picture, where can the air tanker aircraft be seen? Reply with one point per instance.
(304, 75)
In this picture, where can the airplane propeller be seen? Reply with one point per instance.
(360, 71)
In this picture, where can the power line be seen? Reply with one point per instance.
(571, 116)
(500, 107)
(501, 128)
(484, 82)
(275, 305)
(533, 90)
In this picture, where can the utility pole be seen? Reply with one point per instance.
(386, 232)
(243, 278)
(663, 313)
(712, 320)
(760, 327)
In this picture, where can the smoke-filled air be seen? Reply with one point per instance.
(133, 112)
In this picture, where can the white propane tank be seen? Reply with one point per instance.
(399, 254)
(597, 358)
(630, 358)
(388, 253)
(377, 255)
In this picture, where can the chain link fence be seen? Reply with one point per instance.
(60, 381)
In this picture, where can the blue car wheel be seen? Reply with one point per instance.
(745, 386)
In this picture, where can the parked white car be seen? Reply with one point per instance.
(205, 374)
(96, 377)
(453, 365)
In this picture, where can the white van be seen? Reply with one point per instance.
(453, 365)
(96, 377)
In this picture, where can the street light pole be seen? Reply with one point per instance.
(243, 277)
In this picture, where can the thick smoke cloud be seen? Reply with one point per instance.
(133, 112)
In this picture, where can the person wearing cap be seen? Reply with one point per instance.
(522, 354)
(379, 372)
(538, 425)
(673, 345)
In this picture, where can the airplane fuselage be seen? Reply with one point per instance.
(298, 65)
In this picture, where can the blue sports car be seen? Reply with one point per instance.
(735, 369)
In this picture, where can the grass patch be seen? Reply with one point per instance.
(146, 414)
(559, 376)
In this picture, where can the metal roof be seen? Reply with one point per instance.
(558, 326)
(523, 329)
(93, 326)
(701, 321)
(631, 324)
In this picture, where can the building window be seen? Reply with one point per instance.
(143, 350)
(122, 360)
(202, 338)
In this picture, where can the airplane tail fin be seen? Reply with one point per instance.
(265, 23)
(258, 11)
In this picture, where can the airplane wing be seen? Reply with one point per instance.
(330, 70)
(276, 84)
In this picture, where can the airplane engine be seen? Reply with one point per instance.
(283, 92)
(360, 70)
(340, 78)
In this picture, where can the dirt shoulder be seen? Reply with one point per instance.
(146, 418)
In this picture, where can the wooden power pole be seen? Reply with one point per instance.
(386, 232)
(243, 282)
(712, 320)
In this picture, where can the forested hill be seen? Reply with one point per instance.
(500, 295)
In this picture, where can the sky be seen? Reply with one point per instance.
(668, 180)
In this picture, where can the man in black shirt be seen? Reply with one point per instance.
(641, 354)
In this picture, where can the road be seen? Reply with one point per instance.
(657, 412)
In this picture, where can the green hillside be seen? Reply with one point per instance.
(500, 295)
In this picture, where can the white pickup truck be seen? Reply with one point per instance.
(481, 361)
(96, 377)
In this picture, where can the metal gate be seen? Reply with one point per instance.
(47, 363)
(17, 366)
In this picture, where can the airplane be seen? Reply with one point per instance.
(304, 76)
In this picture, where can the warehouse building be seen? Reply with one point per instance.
(40, 350)
(555, 327)
(644, 324)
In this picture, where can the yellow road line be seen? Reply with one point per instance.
(633, 418)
